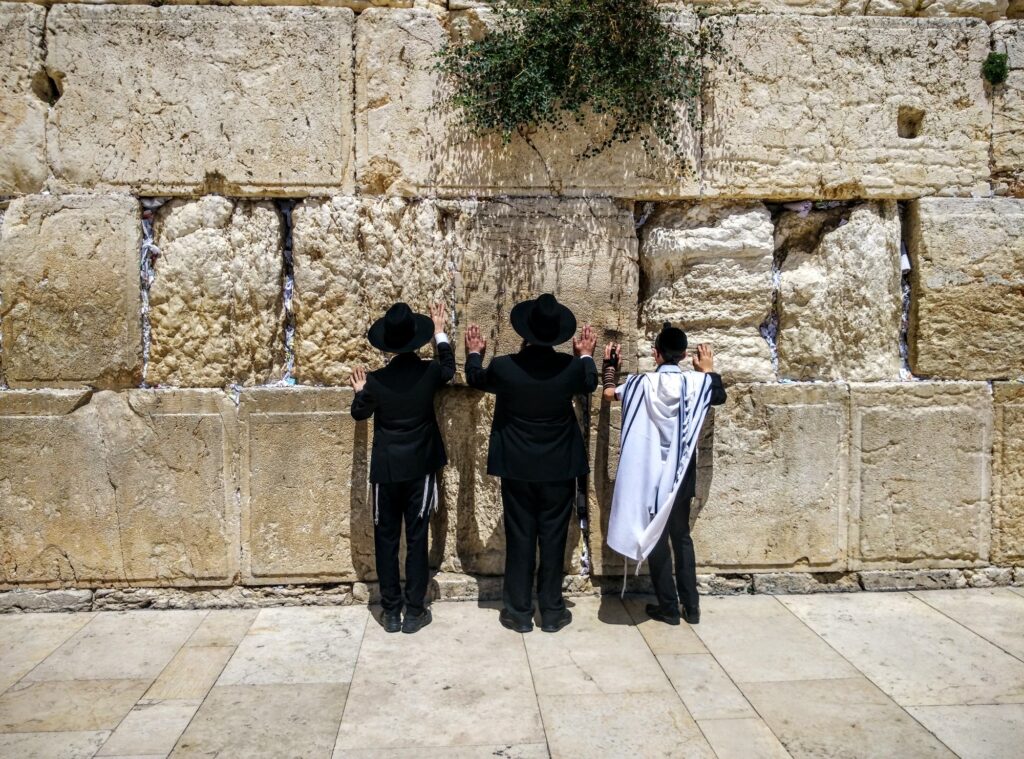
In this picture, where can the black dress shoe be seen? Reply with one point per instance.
(556, 623)
(416, 622)
(692, 616)
(507, 620)
(391, 621)
(654, 611)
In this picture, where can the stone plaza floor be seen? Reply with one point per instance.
(928, 674)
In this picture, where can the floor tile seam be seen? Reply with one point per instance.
(202, 701)
(675, 690)
(536, 694)
(865, 675)
(351, 682)
(61, 645)
(188, 643)
(973, 632)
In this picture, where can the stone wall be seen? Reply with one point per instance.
(203, 206)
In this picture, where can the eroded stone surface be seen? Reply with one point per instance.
(23, 99)
(771, 481)
(582, 251)
(187, 100)
(1008, 475)
(216, 303)
(407, 146)
(708, 269)
(820, 104)
(354, 258)
(1008, 110)
(920, 474)
(113, 488)
(307, 511)
(967, 306)
(840, 298)
(69, 287)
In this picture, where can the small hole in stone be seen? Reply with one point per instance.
(46, 88)
(908, 121)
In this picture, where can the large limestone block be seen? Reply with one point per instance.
(189, 100)
(217, 300)
(100, 489)
(920, 474)
(582, 251)
(407, 144)
(707, 267)
(1008, 475)
(1008, 110)
(307, 508)
(819, 105)
(967, 300)
(771, 483)
(840, 299)
(24, 96)
(353, 258)
(69, 288)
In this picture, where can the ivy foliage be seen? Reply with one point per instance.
(549, 63)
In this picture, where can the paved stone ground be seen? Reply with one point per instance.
(927, 674)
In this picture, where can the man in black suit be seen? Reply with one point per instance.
(537, 450)
(408, 453)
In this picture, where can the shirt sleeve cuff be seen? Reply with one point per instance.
(440, 337)
(590, 357)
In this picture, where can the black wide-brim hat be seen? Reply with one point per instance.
(401, 330)
(543, 321)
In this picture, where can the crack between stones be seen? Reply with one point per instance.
(148, 254)
(284, 209)
(906, 292)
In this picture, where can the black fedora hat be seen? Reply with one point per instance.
(543, 320)
(400, 330)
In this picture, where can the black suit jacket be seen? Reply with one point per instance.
(535, 435)
(689, 486)
(407, 443)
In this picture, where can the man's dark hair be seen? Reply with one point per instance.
(671, 344)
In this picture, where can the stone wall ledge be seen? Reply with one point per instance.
(463, 587)
(989, 10)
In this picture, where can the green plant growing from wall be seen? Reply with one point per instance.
(996, 68)
(549, 63)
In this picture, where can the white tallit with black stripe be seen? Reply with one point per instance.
(662, 413)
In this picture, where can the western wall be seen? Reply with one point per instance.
(204, 206)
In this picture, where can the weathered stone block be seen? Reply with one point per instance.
(407, 145)
(708, 268)
(771, 482)
(353, 258)
(69, 285)
(583, 251)
(967, 303)
(847, 108)
(840, 299)
(1008, 110)
(920, 474)
(190, 100)
(1008, 475)
(307, 508)
(117, 488)
(779, 583)
(913, 579)
(216, 302)
(24, 96)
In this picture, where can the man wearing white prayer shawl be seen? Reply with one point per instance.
(662, 415)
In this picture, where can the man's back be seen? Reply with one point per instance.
(535, 436)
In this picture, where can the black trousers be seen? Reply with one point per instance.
(536, 513)
(397, 502)
(677, 532)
